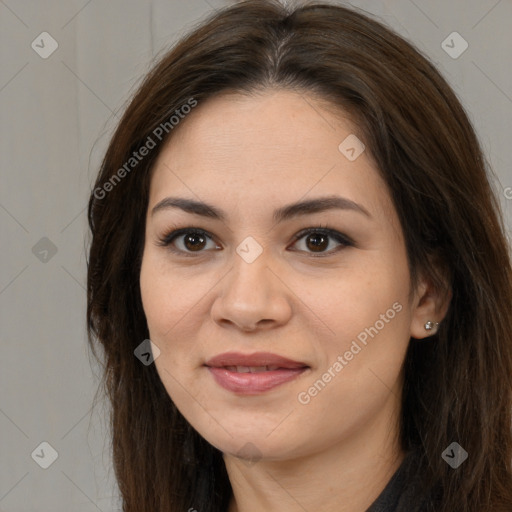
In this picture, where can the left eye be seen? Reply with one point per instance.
(315, 240)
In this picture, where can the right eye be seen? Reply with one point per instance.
(187, 241)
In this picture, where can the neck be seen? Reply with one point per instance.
(346, 477)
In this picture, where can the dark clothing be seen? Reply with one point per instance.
(401, 494)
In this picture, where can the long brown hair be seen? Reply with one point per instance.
(458, 384)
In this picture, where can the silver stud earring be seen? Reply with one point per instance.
(429, 326)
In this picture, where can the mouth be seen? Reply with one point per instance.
(252, 374)
(252, 369)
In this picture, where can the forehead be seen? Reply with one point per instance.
(273, 125)
(273, 147)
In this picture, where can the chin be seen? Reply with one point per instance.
(248, 441)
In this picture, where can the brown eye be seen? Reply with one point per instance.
(187, 241)
(320, 241)
(194, 241)
(317, 242)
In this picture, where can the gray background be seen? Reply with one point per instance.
(57, 114)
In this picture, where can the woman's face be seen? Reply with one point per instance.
(250, 282)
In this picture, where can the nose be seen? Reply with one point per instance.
(252, 297)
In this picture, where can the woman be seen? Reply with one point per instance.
(294, 209)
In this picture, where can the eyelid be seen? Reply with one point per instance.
(167, 239)
(342, 239)
(333, 233)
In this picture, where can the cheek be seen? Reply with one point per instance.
(153, 288)
(368, 315)
(175, 304)
(166, 300)
(356, 298)
(166, 305)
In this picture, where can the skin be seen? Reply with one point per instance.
(249, 155)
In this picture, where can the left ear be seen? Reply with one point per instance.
(430, 304)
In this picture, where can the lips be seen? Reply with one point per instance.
(251, 369)
(252, 374)
(257, 360)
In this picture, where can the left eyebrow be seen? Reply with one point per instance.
(287, 212)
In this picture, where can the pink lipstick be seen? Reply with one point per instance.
(252, 374)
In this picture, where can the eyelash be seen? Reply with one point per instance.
(344, 240)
